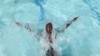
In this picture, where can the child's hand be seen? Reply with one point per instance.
(75, 19)
(17, 23)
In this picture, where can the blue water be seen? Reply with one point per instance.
(82, 38)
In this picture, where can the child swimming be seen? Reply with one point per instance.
(49, 36)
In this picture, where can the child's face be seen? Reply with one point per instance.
(49, 28)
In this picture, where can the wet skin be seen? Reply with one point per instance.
(49, 31)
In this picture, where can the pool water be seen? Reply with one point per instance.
(82, 38)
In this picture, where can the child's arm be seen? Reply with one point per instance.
(65, 26)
